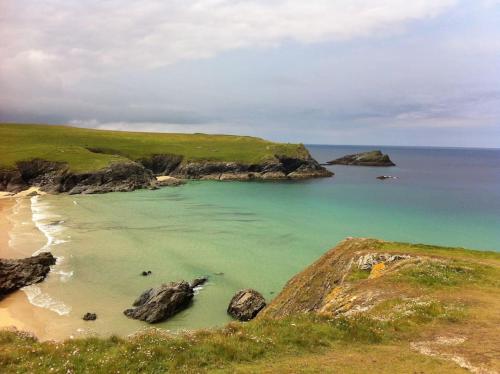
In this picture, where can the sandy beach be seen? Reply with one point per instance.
(15, 309)
(6, 204)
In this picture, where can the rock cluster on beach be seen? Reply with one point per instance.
(15, 274)
(246, 304)
(372, 158)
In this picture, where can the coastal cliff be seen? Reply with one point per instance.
(56, 177)
(61, 159)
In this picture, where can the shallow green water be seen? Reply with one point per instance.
(241, 235)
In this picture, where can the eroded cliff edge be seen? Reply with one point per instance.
(56, 177)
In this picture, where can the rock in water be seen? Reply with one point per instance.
(15, 274)
(199, 282)
(372, 158)
(158, 304)
(246, 304)
(89, 317)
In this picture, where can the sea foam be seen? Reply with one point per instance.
(50, 225)
(44, 300)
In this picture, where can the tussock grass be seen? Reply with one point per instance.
(237, 343)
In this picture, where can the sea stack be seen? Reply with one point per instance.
(371, 158)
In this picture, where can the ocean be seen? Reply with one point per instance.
(246, 234)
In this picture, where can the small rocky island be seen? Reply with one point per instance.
(371, 158)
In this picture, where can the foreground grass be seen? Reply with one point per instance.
(226, 349)
(77, 146)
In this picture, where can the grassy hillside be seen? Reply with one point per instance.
(77, 146)
(440, 313)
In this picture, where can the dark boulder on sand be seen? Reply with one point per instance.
(89, 317)
(15, 274)
(246, 304)
(372, 158)
(158, 304)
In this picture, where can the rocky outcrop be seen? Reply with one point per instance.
(15, 274)
(198, 282)
(118, 177)
(326, 287)
(246, 304)
(281, 167)
(372, 158)
(161, 164)
(56, 177)
(158, 304)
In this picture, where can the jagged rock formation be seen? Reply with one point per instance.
(372, 158)
(325, 288)
(55, 177)
(158, 304)
(280, 168)
(246, 304)
(15, 274)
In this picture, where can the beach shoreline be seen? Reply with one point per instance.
(7, 319)
(16, 312)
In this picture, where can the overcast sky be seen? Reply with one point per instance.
(393, 72)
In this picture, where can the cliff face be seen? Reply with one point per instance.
(326, 287)
(443, 302)
(55, 177)
(359, 274)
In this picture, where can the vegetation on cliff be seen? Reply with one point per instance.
(87, 150)
(366, 305)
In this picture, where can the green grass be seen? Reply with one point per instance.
(203, 350)
(20, 142)
(434, 250)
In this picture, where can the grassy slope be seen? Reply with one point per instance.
(461, 298)
(69, 144)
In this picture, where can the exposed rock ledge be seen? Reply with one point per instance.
(15, 274)
(325, 288)
(55, 177)
(372, 158)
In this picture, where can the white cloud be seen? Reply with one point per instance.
(93, 35)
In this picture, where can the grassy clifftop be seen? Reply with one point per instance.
(365, 306)
(89, 150)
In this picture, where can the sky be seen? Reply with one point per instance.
(385, 72)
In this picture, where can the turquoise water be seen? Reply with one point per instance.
(252, 234)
